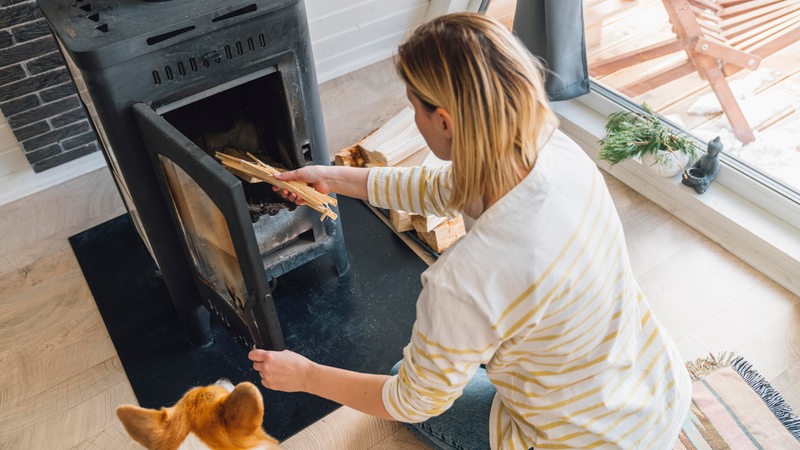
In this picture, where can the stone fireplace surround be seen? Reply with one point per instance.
(37, 95)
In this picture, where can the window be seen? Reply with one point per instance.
(637, 49)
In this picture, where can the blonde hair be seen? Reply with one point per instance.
(493, 88)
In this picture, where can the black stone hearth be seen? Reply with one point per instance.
(360, 321)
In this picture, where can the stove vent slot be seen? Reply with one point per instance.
(235, 13)
(238, 48)
(153, 40)
(183, 68)
(94, 17)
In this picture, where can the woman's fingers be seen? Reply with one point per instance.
(280, 371)
(291, 196)
(304, 174)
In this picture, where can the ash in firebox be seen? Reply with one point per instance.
(258, 208)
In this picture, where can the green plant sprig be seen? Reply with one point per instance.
(631, 134)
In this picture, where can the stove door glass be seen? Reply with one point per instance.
(210, 212)
(207, 235)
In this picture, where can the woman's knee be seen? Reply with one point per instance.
(396, 368)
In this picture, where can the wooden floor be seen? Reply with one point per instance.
(61, 378)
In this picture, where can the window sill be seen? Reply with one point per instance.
(752, 233)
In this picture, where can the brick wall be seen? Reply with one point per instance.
(37, 95)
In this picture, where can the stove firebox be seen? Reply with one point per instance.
(168, 84)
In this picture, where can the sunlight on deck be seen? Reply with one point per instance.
(769, 97)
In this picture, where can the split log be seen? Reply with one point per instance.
(445, 234)
(424, 224)
(350, 157)
(400, 220)
(396, 140)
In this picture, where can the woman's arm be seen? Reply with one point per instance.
(349, 181)
(420, 189)
(289, 372)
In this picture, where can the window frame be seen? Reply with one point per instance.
(744, 211)
(749, 182)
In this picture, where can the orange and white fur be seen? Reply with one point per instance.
(218, 417)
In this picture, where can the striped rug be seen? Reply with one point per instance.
(734, 407)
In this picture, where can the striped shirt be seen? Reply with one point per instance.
(541, 291)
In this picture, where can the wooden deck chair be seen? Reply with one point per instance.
(719, 37)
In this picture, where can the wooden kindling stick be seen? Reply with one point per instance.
(258, 171)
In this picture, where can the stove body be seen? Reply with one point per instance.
(169, 83)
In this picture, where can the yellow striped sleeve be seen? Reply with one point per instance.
(422, 389)
(418, 190)
(442, 355)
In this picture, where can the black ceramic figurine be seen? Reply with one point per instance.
(705, 170)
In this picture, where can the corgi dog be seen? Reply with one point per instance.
(218, 417)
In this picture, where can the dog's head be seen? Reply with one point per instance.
(218, 417)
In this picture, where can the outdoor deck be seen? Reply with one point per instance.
(769, 96)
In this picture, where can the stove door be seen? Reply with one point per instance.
(209, 210)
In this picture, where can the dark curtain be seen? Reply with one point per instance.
(553, 31)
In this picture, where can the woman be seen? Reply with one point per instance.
(531, 331)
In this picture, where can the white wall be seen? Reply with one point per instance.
(348, 35)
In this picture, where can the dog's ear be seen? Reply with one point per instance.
(146, 426)
(243, 410)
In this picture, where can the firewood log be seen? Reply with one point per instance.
(400, 220)
(444, 235)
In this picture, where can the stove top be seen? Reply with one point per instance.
(101, 33)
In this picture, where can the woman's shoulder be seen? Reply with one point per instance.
(562, 153)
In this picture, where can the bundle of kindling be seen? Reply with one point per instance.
(257, 171)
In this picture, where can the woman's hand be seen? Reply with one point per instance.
(284, 371)
(311, 175)
(289, 372)
(349, 181)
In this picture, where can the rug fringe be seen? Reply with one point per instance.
(771, 397)
(701, 367)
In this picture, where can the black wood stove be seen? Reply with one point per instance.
(169, 83)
